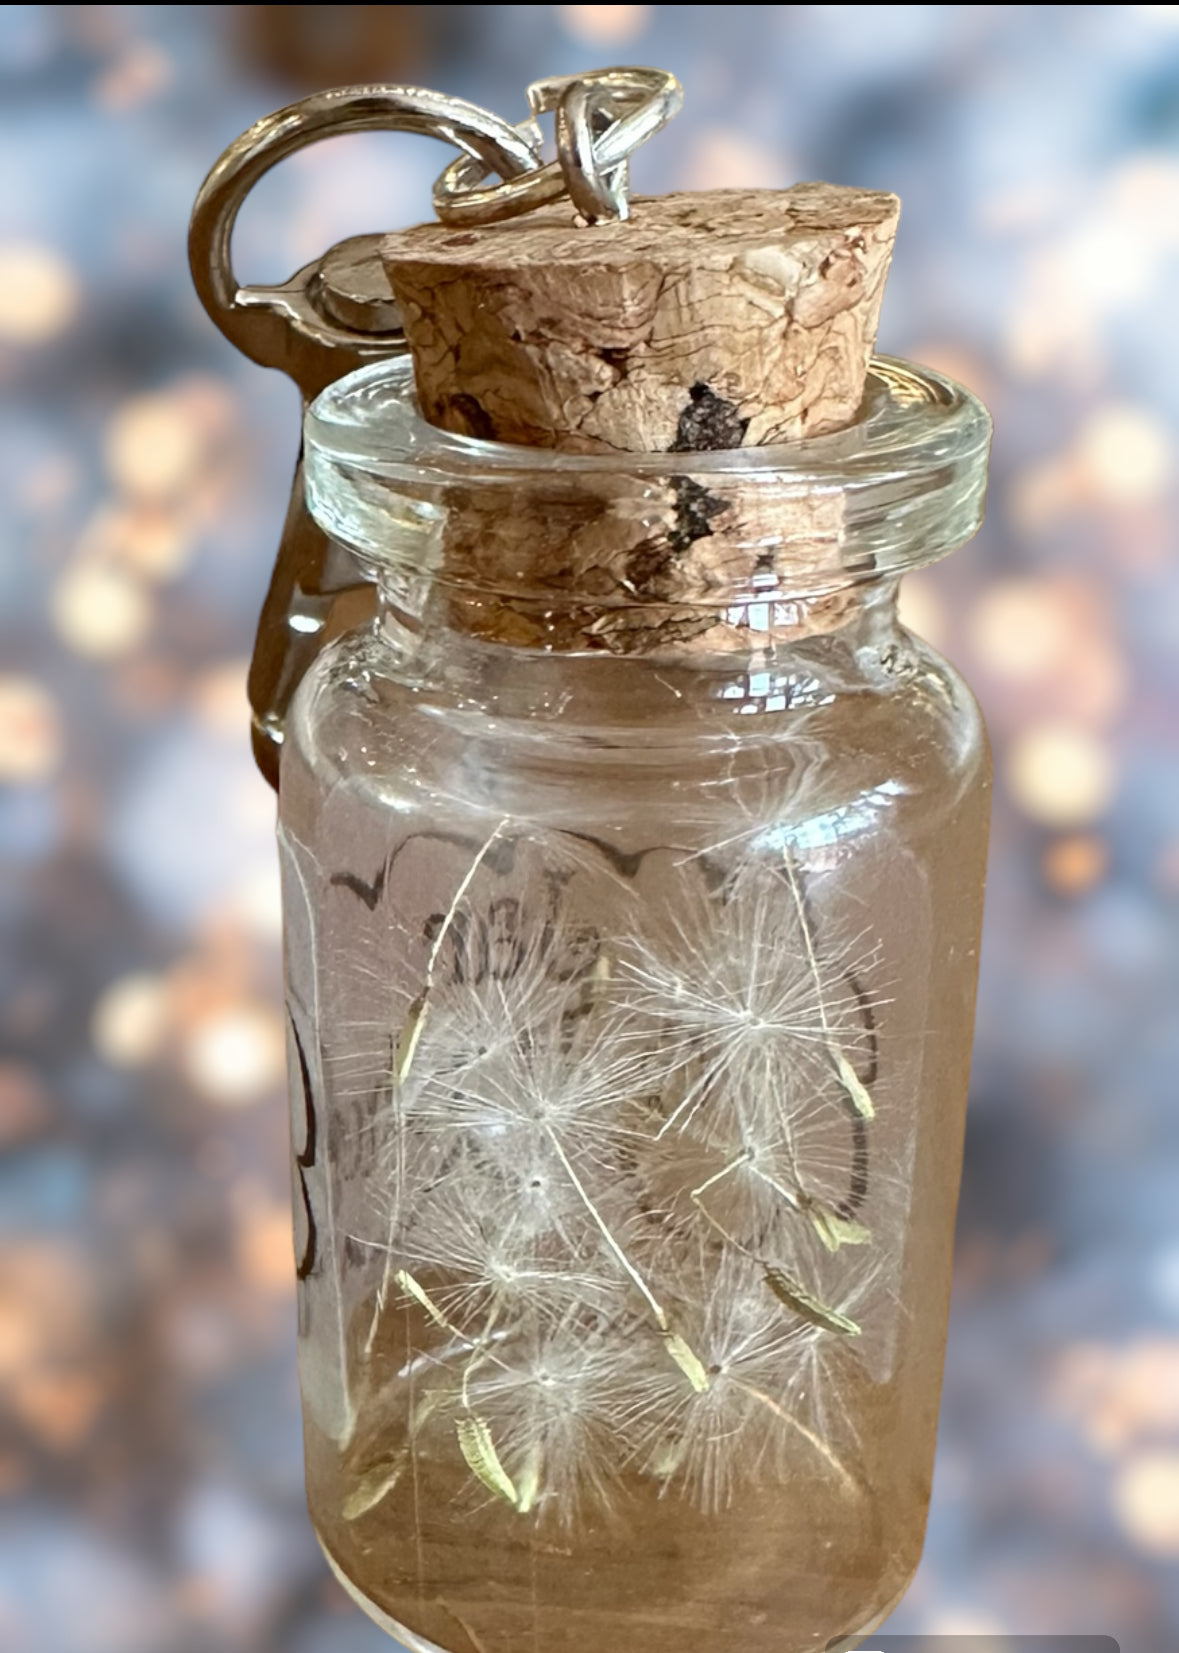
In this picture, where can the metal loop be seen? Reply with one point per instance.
(601, 119)
(488, 140)
(584, 115)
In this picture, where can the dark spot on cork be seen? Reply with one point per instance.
(695, 508)
(708, 422)
(466, 414)
(647, 564)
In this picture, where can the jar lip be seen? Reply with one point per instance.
(911, 418)
(898, 489)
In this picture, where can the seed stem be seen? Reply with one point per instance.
(809, 1435)
(679, 1349)
(406, 1050)
(857, 1092)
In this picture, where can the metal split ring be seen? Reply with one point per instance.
(602, 117)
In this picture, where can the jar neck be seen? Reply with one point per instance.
(865, 651)
(746, 623)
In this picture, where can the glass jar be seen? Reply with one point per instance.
(631, 960)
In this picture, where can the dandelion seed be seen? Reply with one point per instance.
(523, 1073)
(478, 1448)
(747, 1423)
(407, 1039)
(687, 1362)
(529, 1480)
(554, 1402)
(833, 1230)
(524, 1176)
(418, 1292)
(797, 1297)
(374, 1486)
(527, 1072)
(857, 1092)
(488, 1255)
(754, 1201)
(624, 1186)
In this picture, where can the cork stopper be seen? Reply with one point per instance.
(734, 318)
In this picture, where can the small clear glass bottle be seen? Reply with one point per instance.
(631, 959)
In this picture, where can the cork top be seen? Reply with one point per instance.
(724, 319)
(720, 222)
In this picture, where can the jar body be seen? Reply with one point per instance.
(631, 1005)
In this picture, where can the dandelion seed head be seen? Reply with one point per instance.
(708, 1442)
(552, 1401)
(495, 1255)
(728, 991)
(504, 1074)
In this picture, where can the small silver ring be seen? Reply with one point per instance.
(591, 167)
(595, 192)
(461, 198)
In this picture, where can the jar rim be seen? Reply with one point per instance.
(897, 489)
(910, 415)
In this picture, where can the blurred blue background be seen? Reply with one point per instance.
(149, 1449)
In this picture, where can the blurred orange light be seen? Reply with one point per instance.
(1121, 1396)
(154, 447)
(257, 902)
(1074, 865)
(1020, 629)
(921, 610)
(1060, 775)
(101, 612)
(723, 158)
(153, 542)
(1146, 1501)
(605, 25)
(38, 293)
(219, 698)
(25, 1106)
(1125, 454)
(236, 1055)
(59, 1408)
(30, 731)
(130, 1020)
(266, 1249)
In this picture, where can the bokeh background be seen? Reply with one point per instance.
(149, 1452)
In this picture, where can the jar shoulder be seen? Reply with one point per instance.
(901, 725)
